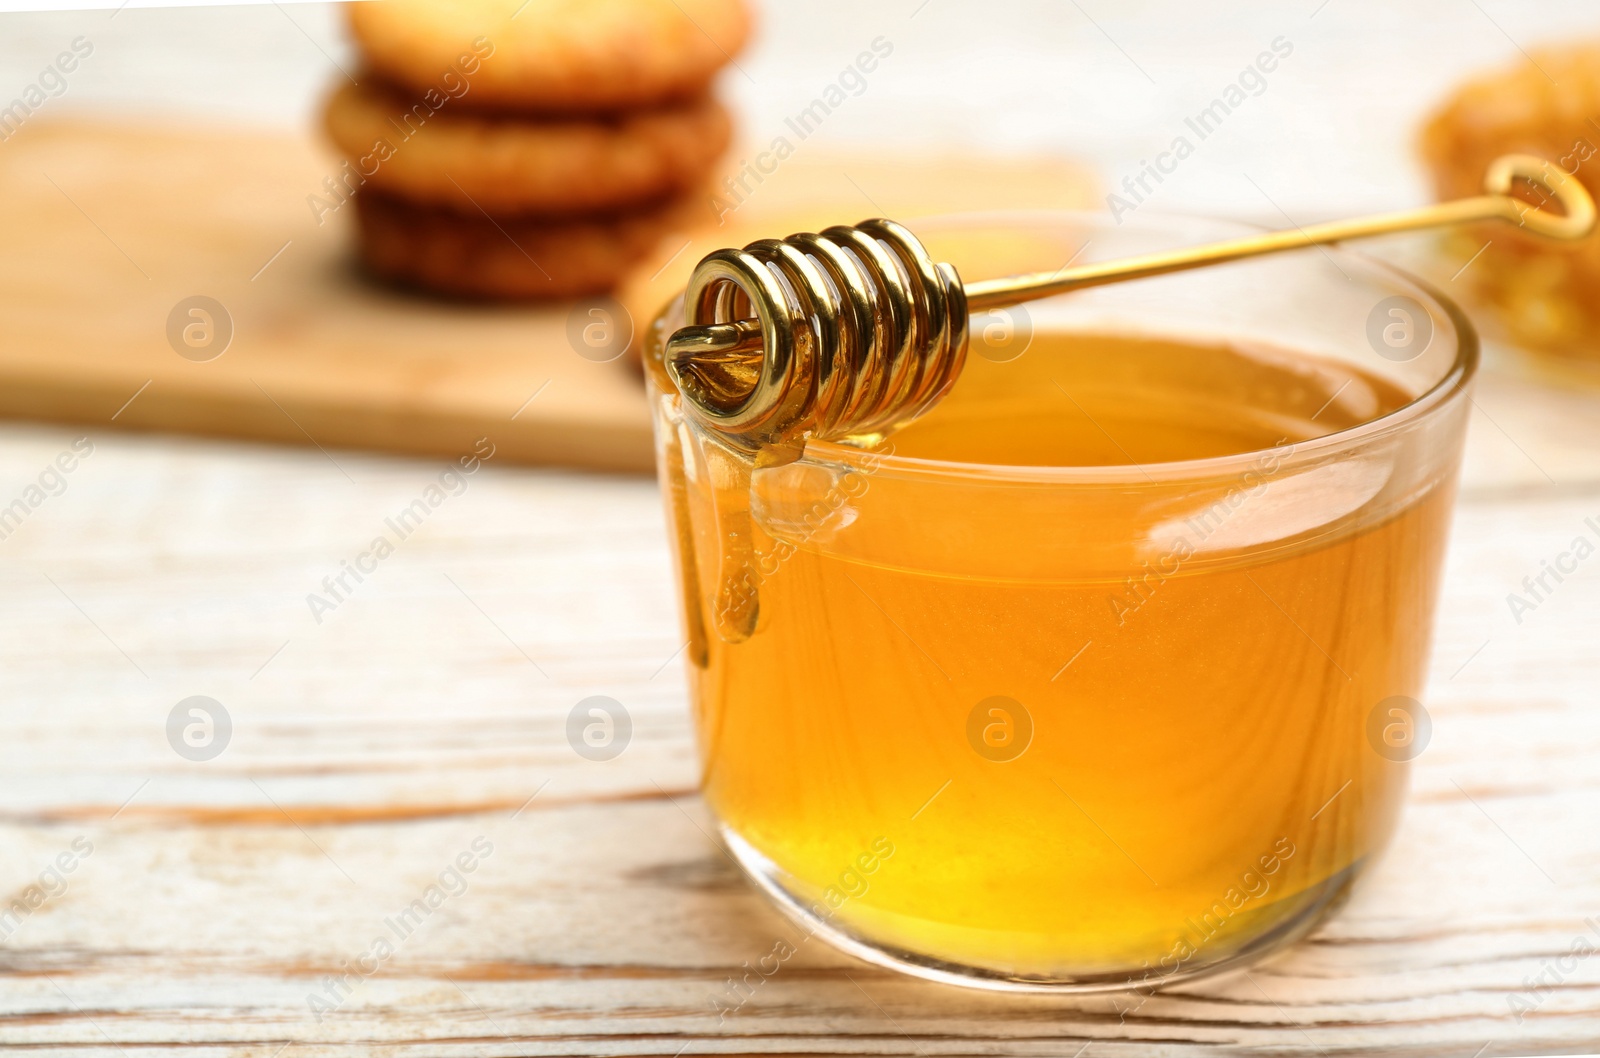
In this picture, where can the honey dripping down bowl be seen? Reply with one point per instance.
(848, 334)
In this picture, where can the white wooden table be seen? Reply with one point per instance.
(427, 712)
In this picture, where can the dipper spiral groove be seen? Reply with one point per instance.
(855, 331)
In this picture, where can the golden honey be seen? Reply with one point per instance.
(1111, 729)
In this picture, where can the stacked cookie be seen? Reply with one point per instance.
(529, 148)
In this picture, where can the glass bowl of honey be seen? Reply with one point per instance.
(1103, 672)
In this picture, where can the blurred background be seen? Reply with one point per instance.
(1105, 83)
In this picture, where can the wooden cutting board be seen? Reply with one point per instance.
(110, 226)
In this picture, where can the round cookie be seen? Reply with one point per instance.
(510, 257)
(1540, 293)
(552, 55)
(1543, 105)
(470, 160)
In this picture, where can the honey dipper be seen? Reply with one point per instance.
(865, 332)
(870, 332)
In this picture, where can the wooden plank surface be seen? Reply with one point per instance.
(112, 224)
(372, 748)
